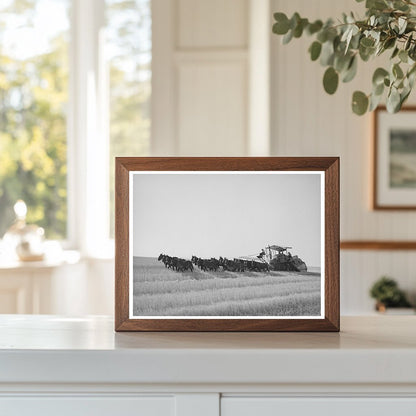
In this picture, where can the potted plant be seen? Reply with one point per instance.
(389, 27)
(387, 294)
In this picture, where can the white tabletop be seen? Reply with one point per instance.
(376, 349)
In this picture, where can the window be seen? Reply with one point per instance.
(33, 97)
(75, 88)
(129, 46)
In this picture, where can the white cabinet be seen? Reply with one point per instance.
(52, 365)
(87, 406)
(270, 406)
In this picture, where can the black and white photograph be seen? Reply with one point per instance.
(226, 244)
(403, 158)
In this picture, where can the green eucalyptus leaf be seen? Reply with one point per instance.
(330, 80)
(327, 54)
(395, 52)
(389, 43)
(288, 37)
(412, 70)
(408, 42)
(374, 102)
(376, 4)
(351, 71)
(404, 96)
(403, 56)
(298, 30)
(342, 62)
(400, 5)
(322, 36)
(411, 78)
(281, 27)
(294, 20)
(367, 42)
(315, 50)
(355, 41)
(397, 71)
(314, 27)
(412, 52)
(366, 53)
(402, 22)
(378, 89)
(359, 103)
(379, 75)
(393, 101)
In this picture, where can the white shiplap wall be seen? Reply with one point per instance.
(200, 77)
(305, 121)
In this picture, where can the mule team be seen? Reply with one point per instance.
(213, 264)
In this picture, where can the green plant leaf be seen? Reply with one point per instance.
(298, 30)
(351, 71)
(408, 42)
(389, 43)
(315, 50)
(281, 27)
(330, 80)
(395, 52)
(374, 102)
(397, 71)
(359, 103)
(367, 42)
(379, 75)
(288, 37)
(341, 61)
(314, 27)
(393, 101)
(327, 53)
(403, 56)
(376, 4)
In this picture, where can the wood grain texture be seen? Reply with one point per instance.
(330, 165)
(376, 204)
(121, 244)
(378, 245)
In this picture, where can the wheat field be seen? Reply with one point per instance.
(158, 291)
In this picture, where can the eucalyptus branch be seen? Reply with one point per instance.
(388, 25)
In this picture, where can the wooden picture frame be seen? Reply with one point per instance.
(136, 177)
(394, 184)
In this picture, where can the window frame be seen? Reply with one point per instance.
(88, 133)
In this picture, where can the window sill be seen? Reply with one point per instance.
(64, 257)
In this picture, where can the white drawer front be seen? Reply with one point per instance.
(87, 406)
(269, 406)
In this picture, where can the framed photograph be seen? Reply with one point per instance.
(395, 159)
(227, 244)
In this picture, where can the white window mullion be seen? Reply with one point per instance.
(88, 135)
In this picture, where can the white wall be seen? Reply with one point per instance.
(308, 122)
(201, 82)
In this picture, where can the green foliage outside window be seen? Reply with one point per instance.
(33, 99)
(34, 104)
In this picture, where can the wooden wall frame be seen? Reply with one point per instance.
(378, 245)
(328, 165)
(375, 203)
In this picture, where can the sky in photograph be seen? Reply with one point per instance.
(229, 215)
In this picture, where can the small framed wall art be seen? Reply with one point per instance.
(394, 178)
(227, 244)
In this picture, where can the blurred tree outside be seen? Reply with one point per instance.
(129, 45)
(33, 99)
(34, 68)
